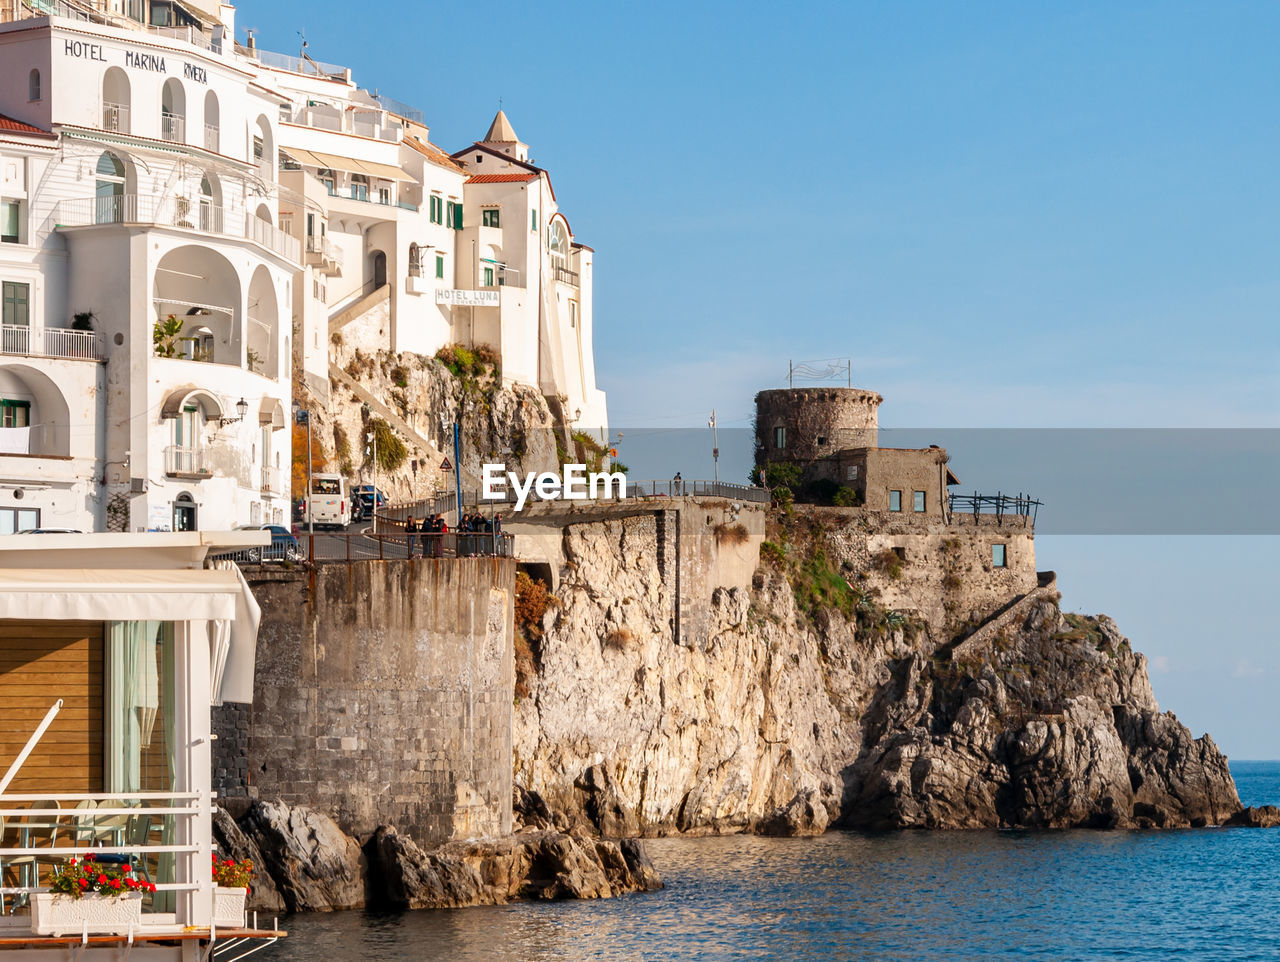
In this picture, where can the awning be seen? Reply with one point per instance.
(177, 400)
(234, 644)
(314, 158)
(118, 594)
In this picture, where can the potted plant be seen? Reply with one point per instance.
(231, 879)
(166, 336)
(104, 898)
(82, 321)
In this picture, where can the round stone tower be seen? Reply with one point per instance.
(805, 425)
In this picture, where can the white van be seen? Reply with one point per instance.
(329, 504)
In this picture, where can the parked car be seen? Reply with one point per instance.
(284, 546)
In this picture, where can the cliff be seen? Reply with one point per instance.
(805, 704)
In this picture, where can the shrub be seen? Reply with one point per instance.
(782, 496)
(620, 638)
(818, 584)
(951, 581)
(731, 534)
(391, 450)
(532, 601)
(782, 475)
(773, 552)
(846, 497)
(890, 562)
(400, 376)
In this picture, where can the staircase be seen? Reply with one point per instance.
(362, 305)
(1011, 615)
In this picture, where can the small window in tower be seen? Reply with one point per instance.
(489, 217)
(479, 158)
(895, 500)
(998, 555)
(779, 437)
(917, 501)
(822, 442)
(33, 85)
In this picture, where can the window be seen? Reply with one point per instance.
(489, 217)
(917, 501)
(14, 414)
(488, 277)
(161, 15)
(533, 218)
(453, 216)
(311, 225)
(13, 520)
(359, 187)
(779, 437)
(440, 265)
(329, 179)
(415, 260)
(437, 209)
(998, 555)
(17, 304)
(822, 442)
(384, 196)
(10, 221)
(895, 500)
(33, 85)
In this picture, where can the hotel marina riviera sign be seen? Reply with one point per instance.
(135, 59)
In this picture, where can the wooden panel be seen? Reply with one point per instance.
(40, 662)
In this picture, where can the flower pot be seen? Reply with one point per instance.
(53, 913)
(228, 906)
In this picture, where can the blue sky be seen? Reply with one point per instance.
(1009, 215)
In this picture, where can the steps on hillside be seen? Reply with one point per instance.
(380, 409)
(354, 311)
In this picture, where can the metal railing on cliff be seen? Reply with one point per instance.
(1021, 507)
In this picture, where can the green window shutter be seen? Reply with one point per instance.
(439, 267)
(457, 217)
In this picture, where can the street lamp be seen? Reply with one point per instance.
(372, 438)
(302, 416)
(242, 408)
(715, 444)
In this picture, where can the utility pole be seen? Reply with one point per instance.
(372, 438)
(715, 445)
(457, 467)
(302, 416)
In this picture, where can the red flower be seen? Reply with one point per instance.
(115, 883)
(88, 857)
(84, 883)
(102, 880)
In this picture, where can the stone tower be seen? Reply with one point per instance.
(807, 425)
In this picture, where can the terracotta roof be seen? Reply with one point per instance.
(500, 178)
(17, 126)
(433, 154)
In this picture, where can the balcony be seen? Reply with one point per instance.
(566, 276)
(270, 481)
(51, 342)
(211, 137)
(115, 117)
(184, 462)
(323, 254)
(173, 128)
(177, 212)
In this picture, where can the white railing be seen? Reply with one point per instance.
(176, 212)
(211, 137)
(173, 127)
(260, 232)
(270, 480)
(183, 460)
(114, 823)
(191, 35)
(115, 117)
(15, 339)
(59, 342)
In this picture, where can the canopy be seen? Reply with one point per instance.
(314, 158)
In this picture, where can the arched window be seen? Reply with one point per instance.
(109, 204)
(115, 100)
(415, 260)
(210, 204)
(558, 243)
(33, 85)
(212, 122)
(173, 112)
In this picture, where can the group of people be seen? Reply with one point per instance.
(475, 534)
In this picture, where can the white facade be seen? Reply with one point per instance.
(160, 199)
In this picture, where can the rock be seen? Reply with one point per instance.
(777, 715)
(232, 842)
(803, 815)
(1263, 816)
(532, 865)
(314, 865)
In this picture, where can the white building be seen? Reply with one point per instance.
(159, 200)
(145, 639)
(516, 241)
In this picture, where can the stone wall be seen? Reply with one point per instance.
(383, 695)
(818, 422)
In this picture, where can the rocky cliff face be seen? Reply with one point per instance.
(786, 718)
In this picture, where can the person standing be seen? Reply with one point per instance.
(411, 529)
(677, 485)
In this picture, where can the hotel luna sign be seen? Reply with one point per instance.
(133, 59)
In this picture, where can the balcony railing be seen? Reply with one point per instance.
(51, 342)
(15, 339)
(115, 117)
(184, 460)
(270, 482)
(173, 127)
(50, 828)
(211, 137)
(566, 275)
(176, 212)
(260, 232)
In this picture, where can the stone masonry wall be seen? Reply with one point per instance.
(383, 695)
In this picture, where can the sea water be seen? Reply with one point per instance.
(1186, 894)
